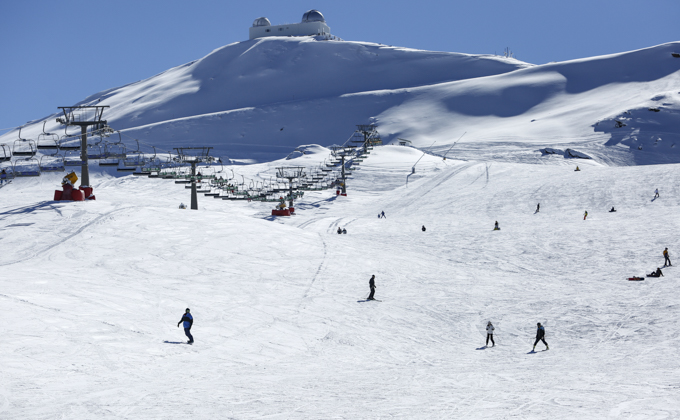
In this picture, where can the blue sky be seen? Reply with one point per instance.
(56, 53)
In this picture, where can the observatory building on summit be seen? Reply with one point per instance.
(313, 23)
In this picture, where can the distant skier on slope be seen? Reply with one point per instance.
(540, 336)
(3, 177)
(495, 226)
(382, 215)
(656, 193)
(585, 215)
(423, 228)
(577, 169)
(489, 334)
(188, 322)
(371, 284)
(538, 207)
(613, 210)
(667, 260)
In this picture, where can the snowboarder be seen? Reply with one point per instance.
(585, 215)
(182, 206)
(667, 260)
(423, 228)
(613, 210)
(577, 169)
(540, 336)
(371, 284)
(489, 334)
(657, 273)
(656, 193)
(538, 207)
(188, 322)
(339, 230)
(495, 226)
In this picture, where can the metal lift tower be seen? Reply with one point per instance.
(83, 116)
(194, 156)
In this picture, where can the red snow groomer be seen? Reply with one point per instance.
(70, 193)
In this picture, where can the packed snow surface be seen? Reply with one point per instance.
(92, 293)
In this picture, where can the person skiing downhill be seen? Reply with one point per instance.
(538, 207)
(382, 215)
(188, 322)
(656, 193)
(540, 336)
(495, 226)
(489, 334)
(371, 284)
(667, 260)
(585, 215)
(423, 228)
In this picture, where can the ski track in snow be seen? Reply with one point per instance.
(92, 293)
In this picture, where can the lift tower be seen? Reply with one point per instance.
(83, 116)
(290, 173)
(194, 156)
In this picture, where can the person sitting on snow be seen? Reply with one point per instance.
(656, 273)
(613, 210)
(339, 230)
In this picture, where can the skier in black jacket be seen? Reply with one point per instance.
(188, 322)
(371, 284)
(540, 336)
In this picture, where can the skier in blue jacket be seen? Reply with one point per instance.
(188, 322)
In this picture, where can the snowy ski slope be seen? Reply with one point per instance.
(92, 293)
(260, 99)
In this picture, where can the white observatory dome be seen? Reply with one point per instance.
(263, 21)
(313, 16)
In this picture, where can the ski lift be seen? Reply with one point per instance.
(72, 158)
(48, 141)
(115, 150)
(108, 162)
(95, 151)
(27, 167)
(134, 158)
(52, 164)
(69, 142)
(5, 153)
(23, 147)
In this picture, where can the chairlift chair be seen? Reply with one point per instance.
(5, 153)
(52, 164)
(115, 150)
(24, 147)
(72, 158)
(48, 141)
(27, 167)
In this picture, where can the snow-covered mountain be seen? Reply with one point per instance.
(259, 99)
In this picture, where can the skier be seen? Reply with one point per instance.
(371, 284)
(339, 230)
(538, 207)
(613, 210)
(3, 177)
(382, 215)
(423, 228)
(540, 336)
(577, 169)
(667, 261)
(585, 215)
(495, 226)
(656, 193)
(188, 322)
(489, 334)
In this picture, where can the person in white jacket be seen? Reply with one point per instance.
(489, 334)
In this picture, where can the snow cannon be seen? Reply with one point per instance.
(70, 193)
(281, 210)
